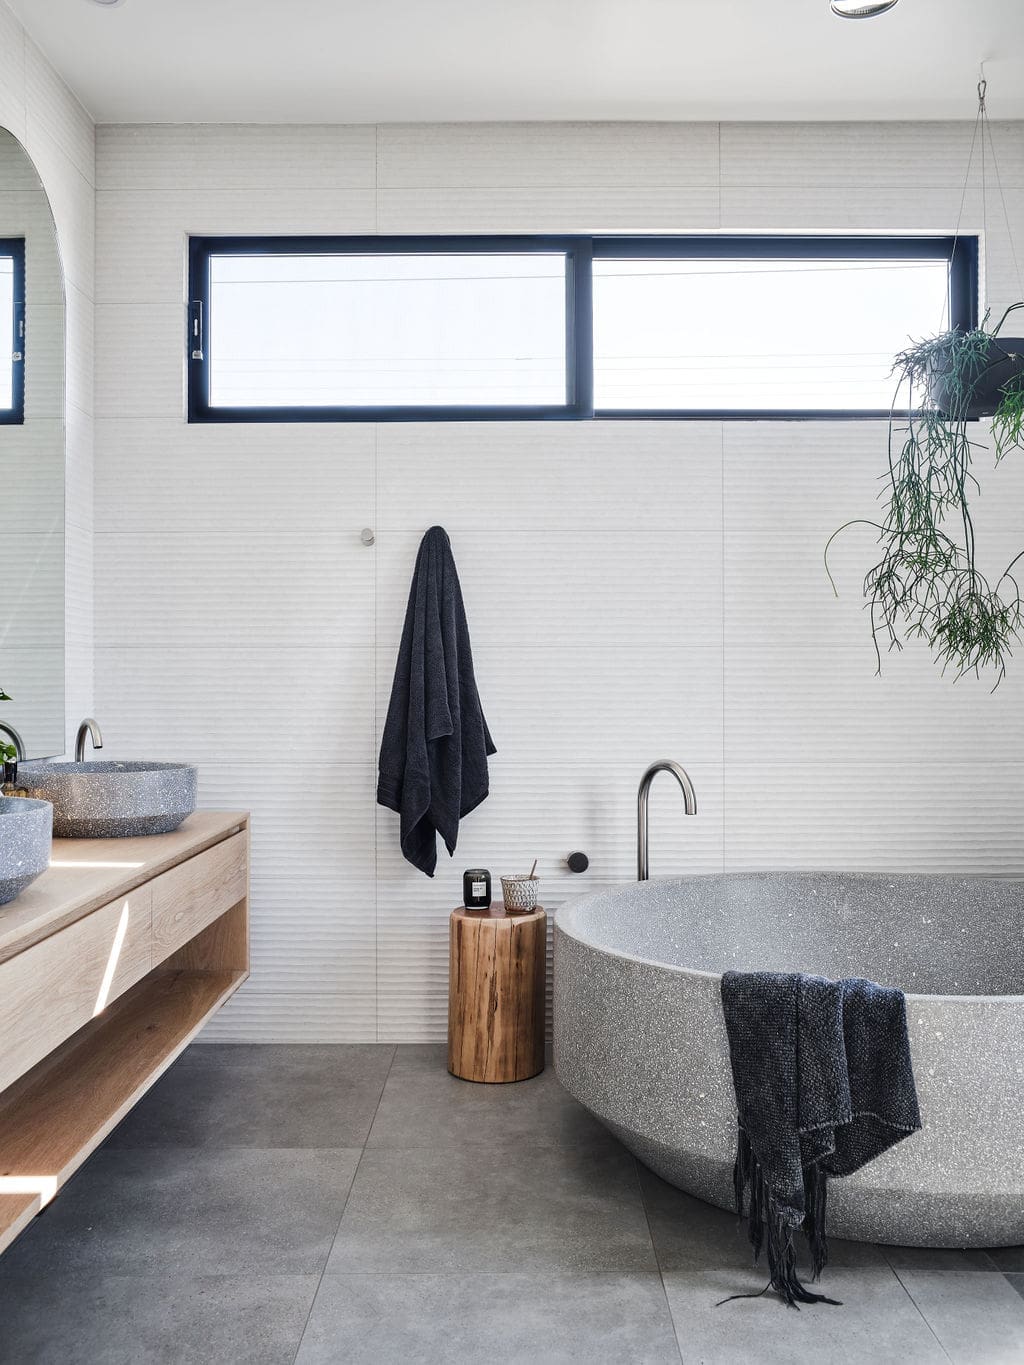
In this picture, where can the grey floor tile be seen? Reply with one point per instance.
(978, 1318)
(152, 1320)
(475, 1208)
(692, 1235)
(198, 1210)
(1007, 1258)
(423, 1106)
(276, 1095)
(429, 1319)
(876, 1324)
(938, 1258)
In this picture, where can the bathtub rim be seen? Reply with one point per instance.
(570, 907)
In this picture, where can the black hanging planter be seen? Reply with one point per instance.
(1001, 361)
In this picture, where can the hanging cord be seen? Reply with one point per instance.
(983, 117)
(983, 143)
(987, 129)
(970, 163)
(963, 197)
(963, 193)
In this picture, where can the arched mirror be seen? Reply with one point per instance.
(31, 459)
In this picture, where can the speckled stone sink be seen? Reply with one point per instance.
(113, 800)
(25, 834)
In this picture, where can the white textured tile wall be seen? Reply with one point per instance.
(634, 589)
(852, 156)
(283, 158)
(12, 73)
(59, 137)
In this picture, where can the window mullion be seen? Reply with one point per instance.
(579, 330)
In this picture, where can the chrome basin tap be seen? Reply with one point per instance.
(15, 739)
(90, 728)
(663, 765)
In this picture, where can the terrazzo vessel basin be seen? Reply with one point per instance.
(25, 835)
(639, 1035)
(113, 800)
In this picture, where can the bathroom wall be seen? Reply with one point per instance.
(635, 590)
(58, 135)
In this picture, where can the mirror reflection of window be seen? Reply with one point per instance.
(31, 457)
(7, 330)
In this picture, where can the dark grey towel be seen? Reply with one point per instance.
(824, 1083)
(433, 754)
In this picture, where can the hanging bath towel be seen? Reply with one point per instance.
(824, 1084)
(433, 754)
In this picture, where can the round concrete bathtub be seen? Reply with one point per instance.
(640, 1038)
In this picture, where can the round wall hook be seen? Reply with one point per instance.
(367, 536)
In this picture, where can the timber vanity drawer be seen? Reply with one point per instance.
(197, 892)
(110, 964)
(49, 991)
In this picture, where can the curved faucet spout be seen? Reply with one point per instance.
(663, 765)
(15, 738)
(90, 728)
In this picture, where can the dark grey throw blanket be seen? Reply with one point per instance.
(433, 753)
(824, 1084)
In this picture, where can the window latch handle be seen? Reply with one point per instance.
(195, 329)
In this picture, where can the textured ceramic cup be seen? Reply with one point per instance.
(520, 893)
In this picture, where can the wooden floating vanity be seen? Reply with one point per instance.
(110, 964)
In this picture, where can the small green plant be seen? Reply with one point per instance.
(8, 753)
(926, 583)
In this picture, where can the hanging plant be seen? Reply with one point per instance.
(926, 583)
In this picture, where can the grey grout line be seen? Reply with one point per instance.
(921, 1314)
(723, 541)
(990, 1269)
(348, 1196)
(376, 178)
(657, 1258)
(719, 176)
(373, 703)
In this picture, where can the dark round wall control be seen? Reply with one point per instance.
(578, 862)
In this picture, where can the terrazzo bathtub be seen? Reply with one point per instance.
(639, 1036)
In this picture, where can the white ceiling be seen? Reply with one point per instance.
(298, 61)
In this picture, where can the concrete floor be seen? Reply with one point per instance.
(272, 1205)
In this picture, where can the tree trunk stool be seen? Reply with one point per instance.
(496, 980)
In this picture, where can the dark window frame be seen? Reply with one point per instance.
(960, 251)
(14, 247)
(577, 338)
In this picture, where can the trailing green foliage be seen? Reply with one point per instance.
(1008, 422)
(926, 584)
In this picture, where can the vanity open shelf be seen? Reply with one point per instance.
(110, 964)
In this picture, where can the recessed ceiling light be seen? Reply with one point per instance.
(847, 9)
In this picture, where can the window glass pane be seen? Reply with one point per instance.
(411, 330)
(766, 335)
(6, 332)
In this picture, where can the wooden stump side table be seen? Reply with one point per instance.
(496, 979)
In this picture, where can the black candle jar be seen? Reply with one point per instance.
(476, 889)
